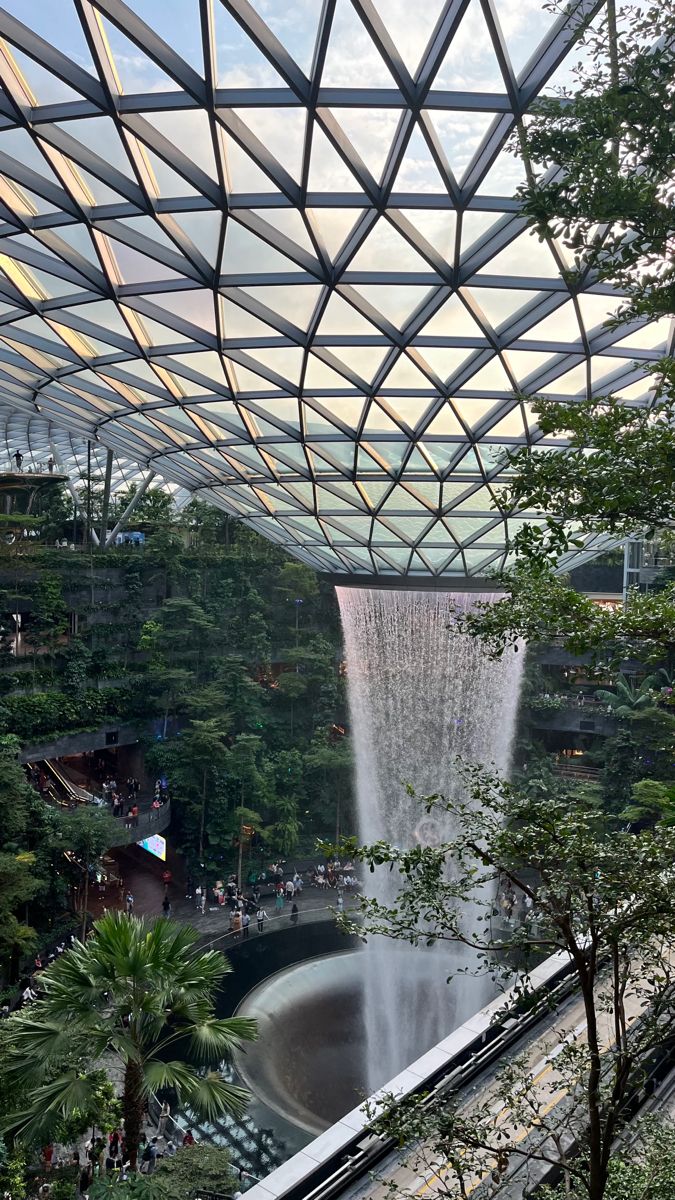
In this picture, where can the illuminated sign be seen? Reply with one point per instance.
(155, 844)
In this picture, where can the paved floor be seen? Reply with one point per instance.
(142, 876)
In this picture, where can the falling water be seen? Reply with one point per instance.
(420, 693)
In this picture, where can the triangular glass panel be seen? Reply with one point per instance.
(384, 245)
(437, 226)
(364, 360)
(245, 254)
(319, 376)
(410, 409)
(443, 360)
(525, 363)
(470, 64)
(395, 302)
(136, 71)
(190, 132)
(288, 222)
(65, 33)
(473, 410)
(342, 318)
(333, 226)
(240, 64)
(238, 323)
(418, 171)
(445, 424)
(405, 374)
(378, 422)
(285, 362)
(453, 320)
(460, 135)
(352, 55)
(281, 131)
(46, 87)
(371, 132)
(249, 381)
(558, 327)
(296, 302)
(474, 227)
(505, 176)
(203, 230)
(168, 183)
(178, 25)
(410, 28)
(327, 170)
(195, 306)
(500, 305)
(525, 256)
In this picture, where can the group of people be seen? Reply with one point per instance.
(18, 459)
(109, 1155)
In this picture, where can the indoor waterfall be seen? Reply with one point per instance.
(420, 693)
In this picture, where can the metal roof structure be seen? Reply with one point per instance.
(270, 251)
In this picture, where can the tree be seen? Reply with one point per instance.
(628, 699)
(598, 894)
(203, 749)
(652, 801)
(197, 1169)
(610, 200)
(132, 991)
(644, 1169)
(87, 834)
(49, 616)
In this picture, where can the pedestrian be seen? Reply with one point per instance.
(235, 925)
(85, 1180)
(279, 899)
(166, 907)
(294, 914)
(134, 814)
(340, 902)
(290, 889)
(18, 459)
(47, 1155)
(261, 917)
(130, 904)
(149, 1158)
(128, 820)
(50, 464)
(188, 1138)
(202, 903)
(164, 1114)
(245, 922)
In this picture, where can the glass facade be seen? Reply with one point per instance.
(271, 252)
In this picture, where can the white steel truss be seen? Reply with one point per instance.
(269, 250)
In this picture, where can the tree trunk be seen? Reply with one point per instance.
(133, 1108)
(85, 902)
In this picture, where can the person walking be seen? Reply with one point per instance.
(18, 459)
(166, 907)
(279, 899)
(130, 904)
(245, 922)
(261, 917)
(294, 914)
(235, 925)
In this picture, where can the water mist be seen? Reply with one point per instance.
(420, 693)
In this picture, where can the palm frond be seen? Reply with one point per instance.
(212, 1040)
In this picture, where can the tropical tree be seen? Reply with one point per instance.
(132, 992)
(597, 894)
(629, 698)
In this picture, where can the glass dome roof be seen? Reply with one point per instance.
(269, 249)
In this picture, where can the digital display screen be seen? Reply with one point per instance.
(155, 844)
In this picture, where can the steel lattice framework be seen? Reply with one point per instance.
(270, 251)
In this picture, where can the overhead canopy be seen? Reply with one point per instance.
(270, 250)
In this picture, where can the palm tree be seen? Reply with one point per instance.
(130, 993)
(627, 700)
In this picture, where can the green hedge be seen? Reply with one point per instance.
(41, 713)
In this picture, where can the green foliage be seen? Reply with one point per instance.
(131, 991)
(653, 801)
(576, 870)
(196, 1169)
(616, 476)
(539, 607)
(612, 137)
(13, 1175)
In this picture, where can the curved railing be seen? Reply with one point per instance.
(149, 821)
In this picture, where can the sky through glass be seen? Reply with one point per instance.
(270, 251)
